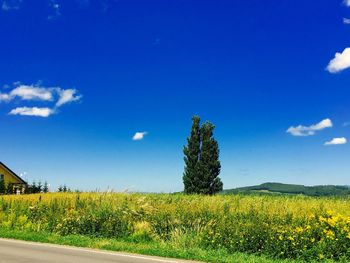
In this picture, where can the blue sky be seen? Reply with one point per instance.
(79, 79)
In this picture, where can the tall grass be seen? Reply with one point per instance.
(294, 227)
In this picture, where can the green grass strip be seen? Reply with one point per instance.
(149, 248)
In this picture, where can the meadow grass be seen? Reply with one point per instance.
(145, 248)
(230, 228)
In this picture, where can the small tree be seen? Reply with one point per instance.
(202, 165)
(2, 186)
(46, 187)
(39, 187)
(34, 188)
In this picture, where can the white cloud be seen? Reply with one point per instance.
(336, 141)
(31, 92)
(34, 111)
(4, 97)
(347, 2)
(309, 130)
(66, 96)
(340, 62)
(8, 5)
(346, 21)
(139, 136)
(42, 94)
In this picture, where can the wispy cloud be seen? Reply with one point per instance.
(8, 5)
(32, 111)
(336, 141)
(67, 96)
(340, 62)
(346, 21)
(347, 2)
(346, 124)
(28, 92)
(139, 136)
(156, 42)
(309, 130)
(39, 94)
(4, 97)
(54, 6)
(56, 10)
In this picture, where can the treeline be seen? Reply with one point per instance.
(279, 188)
(32, 188)
(37, 188)
(64, 189)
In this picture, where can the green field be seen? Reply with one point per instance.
(223, 228)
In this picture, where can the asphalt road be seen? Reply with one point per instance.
(22, 251)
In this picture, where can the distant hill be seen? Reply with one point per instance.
(279, 188)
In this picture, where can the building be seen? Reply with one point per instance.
(13, 182)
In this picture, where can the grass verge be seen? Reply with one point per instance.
(149, 248)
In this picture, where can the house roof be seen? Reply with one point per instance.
(13, 173)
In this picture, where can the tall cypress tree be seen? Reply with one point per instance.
(209, 164)
(192, 151)
(202, 165)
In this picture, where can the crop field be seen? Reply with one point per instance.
(274, 227)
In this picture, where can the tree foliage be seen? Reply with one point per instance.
(36, 188)
(202, 165)
(32, 188)
(2, 186)
(46, 187)
(64, 189)
(192, 152)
